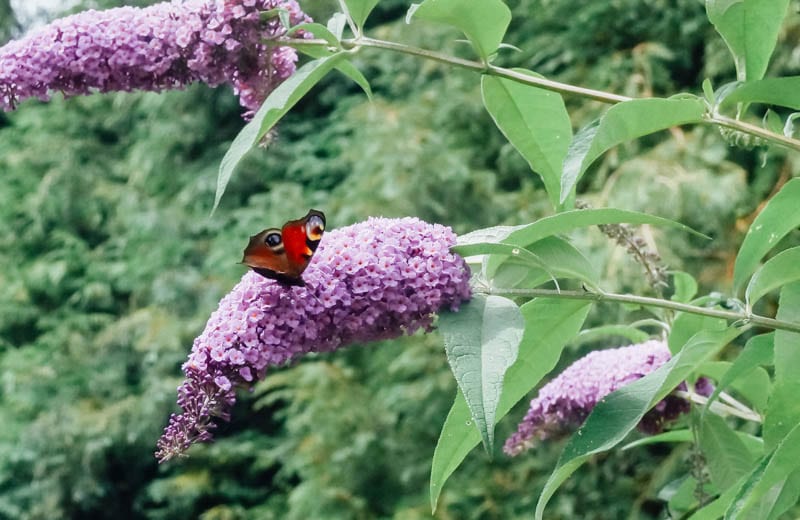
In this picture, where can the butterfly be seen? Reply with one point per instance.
(283, 254)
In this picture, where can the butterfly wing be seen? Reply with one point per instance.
(284, 254)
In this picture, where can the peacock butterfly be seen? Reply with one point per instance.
(283, 254)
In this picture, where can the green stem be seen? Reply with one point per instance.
(746, 317)
(539, 82)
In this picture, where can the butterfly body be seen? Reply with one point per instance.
(283, 254)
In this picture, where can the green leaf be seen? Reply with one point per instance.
(624, 122)
(319, 31)
(786, 499)
(484, 23)
(554, 257)
(685, 286)
(772, 121)
(680, 495)
(619, 413)
(336, 24)
(788, 128)
(481, 341)
(755, 387)
(345, 67)
(570, 220)
(752, 443)
(783, 411)
(687, 325)
(576, 153)
(779, 270)
(524, 236)
(727, 457)
(776, 220)
(277, 104)
(772, 470)
(750, 29)
(672, 436)
(757, 351)
(708, 90)
(535, 122)
(549, 324)
(631, 334)
(359, 10)
(491, 234)
(506, 250)
(717, 507)
(784, 92)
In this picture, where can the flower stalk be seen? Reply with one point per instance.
(742, 317)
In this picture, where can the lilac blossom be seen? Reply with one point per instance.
(369, 281)
(566, 401)
(164, 46)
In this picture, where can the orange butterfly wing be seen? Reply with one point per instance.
(284, 254)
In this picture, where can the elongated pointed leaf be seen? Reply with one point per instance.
(619, 413)
(360, 9)
(579, 148)
(549, 324)
(771, 471)
(757, 351)
(481, 341)
(336, 25)
(750, 29)
(567, 221)
(319, 31)
(487, 248)
(776, 220)
(345, 67)
(484, 23)
(277, 104)
(783, 411)
(784, 92)
(554, 256)
(754, 386)
(491, 234)
(625, 122)
(535, 122)
(717, 507)
(685, 286)
(632, 334)
(687, 325)
(727, 457)
(571, 220)
(672, 436)
(753, 444)
(778, 271)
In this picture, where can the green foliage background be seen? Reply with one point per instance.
(110, 265)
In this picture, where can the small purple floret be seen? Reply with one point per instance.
(164, 46)
(566, 401)
(358, 289)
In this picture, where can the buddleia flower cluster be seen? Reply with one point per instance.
(566, 401)
(373, 280)
(165, 46)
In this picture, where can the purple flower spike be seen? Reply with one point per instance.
(566, 401)
(164, 46)
(373, 280)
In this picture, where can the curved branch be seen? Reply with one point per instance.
(644, 301)
(353, 44)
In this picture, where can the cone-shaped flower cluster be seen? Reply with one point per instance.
(566, 401)
(164, 46)
(373, 280)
